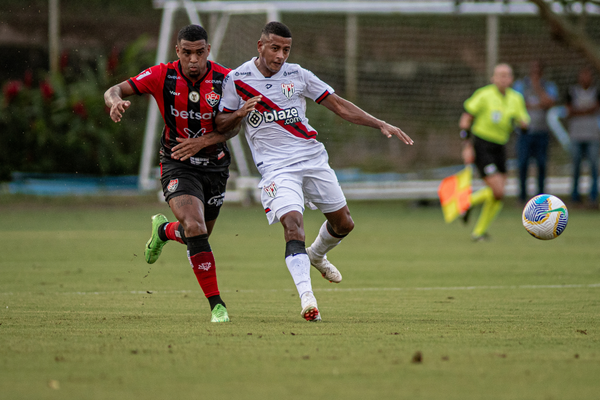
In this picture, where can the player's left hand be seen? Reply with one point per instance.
(187, 148)
(391, 130)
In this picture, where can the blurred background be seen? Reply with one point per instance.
(413, 65)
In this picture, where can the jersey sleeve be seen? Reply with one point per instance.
(316, 89)
(147, 81)
(474, 104)
(230, 100)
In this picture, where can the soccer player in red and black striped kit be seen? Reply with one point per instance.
(194, 158)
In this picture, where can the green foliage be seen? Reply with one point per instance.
(62, 124)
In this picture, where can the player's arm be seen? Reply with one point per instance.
(113, 98)
(468, 152)
(190, 146)
(226, 121)
(352, 113)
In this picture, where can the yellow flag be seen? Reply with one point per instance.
(454, 193)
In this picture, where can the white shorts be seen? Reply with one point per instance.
(310, 182)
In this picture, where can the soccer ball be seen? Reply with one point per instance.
(545, 216)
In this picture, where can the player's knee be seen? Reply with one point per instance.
(343, 227)
(192, 227)
(292, 226)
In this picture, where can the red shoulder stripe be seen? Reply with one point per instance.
(297, 129)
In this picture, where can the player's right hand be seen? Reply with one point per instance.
(118, 108)
(249, 106)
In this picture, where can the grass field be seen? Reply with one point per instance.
(82, 316)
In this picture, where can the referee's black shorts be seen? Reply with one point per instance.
(490, 158)
(209, 186)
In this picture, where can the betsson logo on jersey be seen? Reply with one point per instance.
(191, 114)
(289, 116)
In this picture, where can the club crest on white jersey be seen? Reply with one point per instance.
(288, 89)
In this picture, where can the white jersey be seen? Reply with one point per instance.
(278, 132)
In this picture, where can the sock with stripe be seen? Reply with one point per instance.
(202, 261)
(172, 231)
(326, 240)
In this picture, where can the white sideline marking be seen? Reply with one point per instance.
(511, 287)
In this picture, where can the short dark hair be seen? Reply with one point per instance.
(277, 28)
(192, 33)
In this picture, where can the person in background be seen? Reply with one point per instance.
(540, 95)
(491, 115)
(583, 105)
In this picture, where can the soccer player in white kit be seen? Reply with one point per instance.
(269, 95)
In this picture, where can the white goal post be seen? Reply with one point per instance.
(220, 13)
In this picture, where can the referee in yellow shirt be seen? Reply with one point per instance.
(490, 116)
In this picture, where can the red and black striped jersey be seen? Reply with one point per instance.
(188, 108)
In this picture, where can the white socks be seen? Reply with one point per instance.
(299, 267)
(324, 242)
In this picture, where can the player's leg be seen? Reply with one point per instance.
(523, 153)
(189, 211)
(174, 230)
(162, 230)
(576, 155)
(283, 201)
(593, 152)
(322, 189)
(490, 159)
(298, 263)
(337, 226)
(541, 156)
(492, 205)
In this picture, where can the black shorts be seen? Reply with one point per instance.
(490, 158)
(178, 179)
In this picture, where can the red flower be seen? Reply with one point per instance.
(11, 90)
(79, 109)
(47, 90)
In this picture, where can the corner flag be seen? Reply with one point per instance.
(454, 193)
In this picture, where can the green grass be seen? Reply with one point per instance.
(82, 316)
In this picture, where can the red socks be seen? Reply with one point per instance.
(173, 233)
(203, 265)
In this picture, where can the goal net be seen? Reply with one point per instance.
(411, 66)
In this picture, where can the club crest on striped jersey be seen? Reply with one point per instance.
(271, 190)
(173, 184)
(194, 96)
(212, 98)
(288, 89)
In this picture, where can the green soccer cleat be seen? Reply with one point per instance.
(155, 244)
(219, 314)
